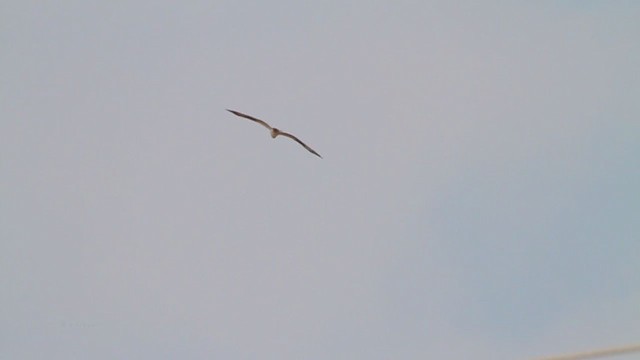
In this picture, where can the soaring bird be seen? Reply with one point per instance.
(275, 132)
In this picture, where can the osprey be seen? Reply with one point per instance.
(275, 132)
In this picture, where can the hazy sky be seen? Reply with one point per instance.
(479, 196)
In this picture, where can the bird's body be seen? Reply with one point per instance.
(275, 132)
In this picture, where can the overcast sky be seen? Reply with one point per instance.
(478, 197)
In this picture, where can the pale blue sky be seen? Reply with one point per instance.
(478, 196)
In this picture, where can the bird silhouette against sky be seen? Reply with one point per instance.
(275, 132)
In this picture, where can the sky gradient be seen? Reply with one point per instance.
(478, 197)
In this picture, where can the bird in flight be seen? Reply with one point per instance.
(275, 132)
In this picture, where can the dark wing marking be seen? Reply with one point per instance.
(301, 143)
(250, 118)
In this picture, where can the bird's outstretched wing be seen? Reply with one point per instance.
(301, 143)
(250, 118)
